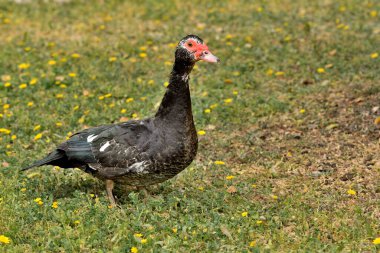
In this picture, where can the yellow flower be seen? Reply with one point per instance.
(37, 137)
(351, 192)
(75, 56)
(36, 127)
(166, 84)
(6, 106)
(24, 66)
(33, 81)
(143, 241)
(128, 100)
(274, 197)
(201, 188)
(134, 250)
(151, 82)
(143, 55)
(112, 59)
(269, 72)
(373, 13)
(14, 137)
(259, 222)
(108, 95)
(201, 132)
(321, 70)
(60, 95)
(138, 235)
(143, 98)
(219, 163)
(207, 111)
(101, 97)
(75, 108)
(4, 239)
(23, 86)
(252, 244)
(302, 111)
(374, 55)
(55, 205)
(174, 230)
(52, 62)
(279, 73)
(143, 48)
(230, 177)
(58, 124)
(7, 84)
(123, 110)
(235, 92)
(72, 74)
(76, 222)
(213, 106)
(376, 241)
(23, 190)
(228, 100)
(134, 115)
(244, 214)
(38, 201)
(5, 131)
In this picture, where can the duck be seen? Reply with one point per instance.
(141, 152)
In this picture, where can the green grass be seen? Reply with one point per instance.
(295, 140)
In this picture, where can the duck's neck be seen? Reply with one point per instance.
(176, 104)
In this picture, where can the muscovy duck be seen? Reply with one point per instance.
(141, 152)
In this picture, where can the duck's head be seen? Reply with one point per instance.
(192, 49)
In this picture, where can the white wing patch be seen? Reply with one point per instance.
(139, 167)
(106, 145)
(91, 137)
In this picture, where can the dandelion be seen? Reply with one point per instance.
(123, 111)
(201, 188)
(23, 86)
(143, 241)
(72, 74)
(101, 97)
(274, 197)
(207, 111)
(13, 137)
(52, 62)
(33, 81)
(228, 100)
(129, 100)
(376, 241)
(143, 55)
(134, 115)
(39, 201)
(37, 127)
(151, 82)
(76, 222)
(59, 96)
(269, 72)
(23, 66)
(302, 111)
(138, 235)
(201, 132)
(37, 137)
(4, 239)
(374, 55)
(75, 108)
(373, 13)
(6, 106)
(166, 84)
(55, 205)
(244, 214)
(174, 230)
(252, 244)
(134, 250)
(213, 106)
(321, 70)
(219, 163)
(112, 59)
(23, 190)
(351, 192)
(75, 56)
(230, 177)
(8, 84)
(5, 131)
(279, 73)
(258, 222)
(235, 92)
(143, 48)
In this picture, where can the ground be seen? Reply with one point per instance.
(289, 148)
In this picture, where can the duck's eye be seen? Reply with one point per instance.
(190, 44)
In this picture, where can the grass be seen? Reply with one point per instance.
(292, 111)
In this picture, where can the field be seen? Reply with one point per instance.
(288, 124)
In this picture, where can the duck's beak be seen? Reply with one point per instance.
(208, 57)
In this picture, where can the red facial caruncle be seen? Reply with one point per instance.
(200, 51)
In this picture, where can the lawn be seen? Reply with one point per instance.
(288, 125)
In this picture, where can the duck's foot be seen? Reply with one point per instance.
(109, 187)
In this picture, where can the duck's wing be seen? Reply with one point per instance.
(110, 150)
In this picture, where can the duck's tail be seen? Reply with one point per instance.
(53, 156)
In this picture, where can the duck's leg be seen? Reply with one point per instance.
(109, 188)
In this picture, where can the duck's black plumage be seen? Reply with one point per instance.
(141, 152)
